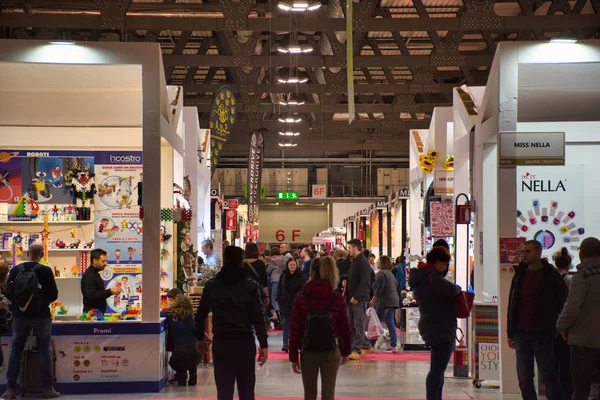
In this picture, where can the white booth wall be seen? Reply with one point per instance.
(565, 102)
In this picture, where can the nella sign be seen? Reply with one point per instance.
(531, 184)
(531, 148)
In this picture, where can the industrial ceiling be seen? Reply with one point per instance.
(407, 56)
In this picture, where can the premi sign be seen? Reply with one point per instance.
(319, 191)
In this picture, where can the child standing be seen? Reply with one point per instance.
(184, 359)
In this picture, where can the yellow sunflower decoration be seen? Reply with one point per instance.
(427, 161)
(449, 163)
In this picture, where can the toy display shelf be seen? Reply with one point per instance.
(41, 222)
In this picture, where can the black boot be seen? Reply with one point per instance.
(181, 378)
(193, 377)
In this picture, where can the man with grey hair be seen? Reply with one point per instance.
(579, 321)
(31, 289)
(209, 253)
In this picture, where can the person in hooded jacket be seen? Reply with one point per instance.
(274, 270)
(320, 292)
(290, 284)
(437, 323)
(235, 301)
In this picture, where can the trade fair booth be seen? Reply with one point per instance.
(87, 129)
(535, 151)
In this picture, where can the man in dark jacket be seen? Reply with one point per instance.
(92, 284)
(358, 292)
(236, 304)
(537, 296)
(24, 320)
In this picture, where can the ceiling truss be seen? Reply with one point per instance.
(408, 55)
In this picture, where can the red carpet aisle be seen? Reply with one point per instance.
(377, 356)
(294, 398)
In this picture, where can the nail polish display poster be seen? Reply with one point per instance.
(117, 225)
(550, 208)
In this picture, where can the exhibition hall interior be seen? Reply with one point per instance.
(299, 199)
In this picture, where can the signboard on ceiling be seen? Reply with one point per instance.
(444, 182)
(319, 191)
(255, 164)
(532, 148)
(287, 196)
(223, 111)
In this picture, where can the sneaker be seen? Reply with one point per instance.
(50, 394)
(172, 380)
(10, 394)
(364, 352)
(355, 356)
(395, 349)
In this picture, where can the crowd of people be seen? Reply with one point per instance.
(320, 302)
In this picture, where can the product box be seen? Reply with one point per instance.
(7, 240)
(34, 238)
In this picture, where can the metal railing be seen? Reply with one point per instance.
(344, 190)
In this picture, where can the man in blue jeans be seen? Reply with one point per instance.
(537, 296)
(36, 318)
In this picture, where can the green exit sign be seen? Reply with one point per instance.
(287, 196)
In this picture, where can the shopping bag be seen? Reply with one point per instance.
(374, 327)
(463, 304)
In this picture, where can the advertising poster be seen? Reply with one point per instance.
(129, 280)
(442, 219)
(489, 361)
(110, 358)
(117, 226)
(550, 208)
(34, 182)
(510, 250)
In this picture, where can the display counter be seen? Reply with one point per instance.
(105, 357)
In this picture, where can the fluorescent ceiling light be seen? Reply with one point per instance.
(295, 49)
(62, 42)
(290, 120)
(292, 80)
(299, 5)
(289, 133)
(292, 102)
(288, 144)
(563, 40)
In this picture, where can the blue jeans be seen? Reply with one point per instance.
(386, 315)
(287, 321)
(42, 329)
(440, 357)
(274, 302)
(532, 346)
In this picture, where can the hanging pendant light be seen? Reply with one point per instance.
(299, 5)
(291, 100)
(290, 119)
(293, 47)
(288, 144)
(289, 134)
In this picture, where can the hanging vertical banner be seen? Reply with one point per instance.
(350, 61)
(223, 110)
(231, 220)
(255, 164)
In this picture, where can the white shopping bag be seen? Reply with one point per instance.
(374, 327)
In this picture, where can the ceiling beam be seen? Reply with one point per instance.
(310, 88)
(315, 61)
(204, 106)
(199, 22)
(338, 124)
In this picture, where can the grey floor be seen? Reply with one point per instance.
(357, 379)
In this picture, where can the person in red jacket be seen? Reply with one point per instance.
(321, 296)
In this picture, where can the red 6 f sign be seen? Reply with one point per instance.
(280, 235)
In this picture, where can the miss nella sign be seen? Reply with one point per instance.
(255, 164)
(532, 148)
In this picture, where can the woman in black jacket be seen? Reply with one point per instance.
(291, 283)
(437, 323)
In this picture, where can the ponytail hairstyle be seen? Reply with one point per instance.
(563, 259)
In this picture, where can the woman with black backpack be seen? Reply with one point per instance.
(320, 331)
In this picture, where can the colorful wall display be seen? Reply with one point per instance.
(550, 207)
(58, 183)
